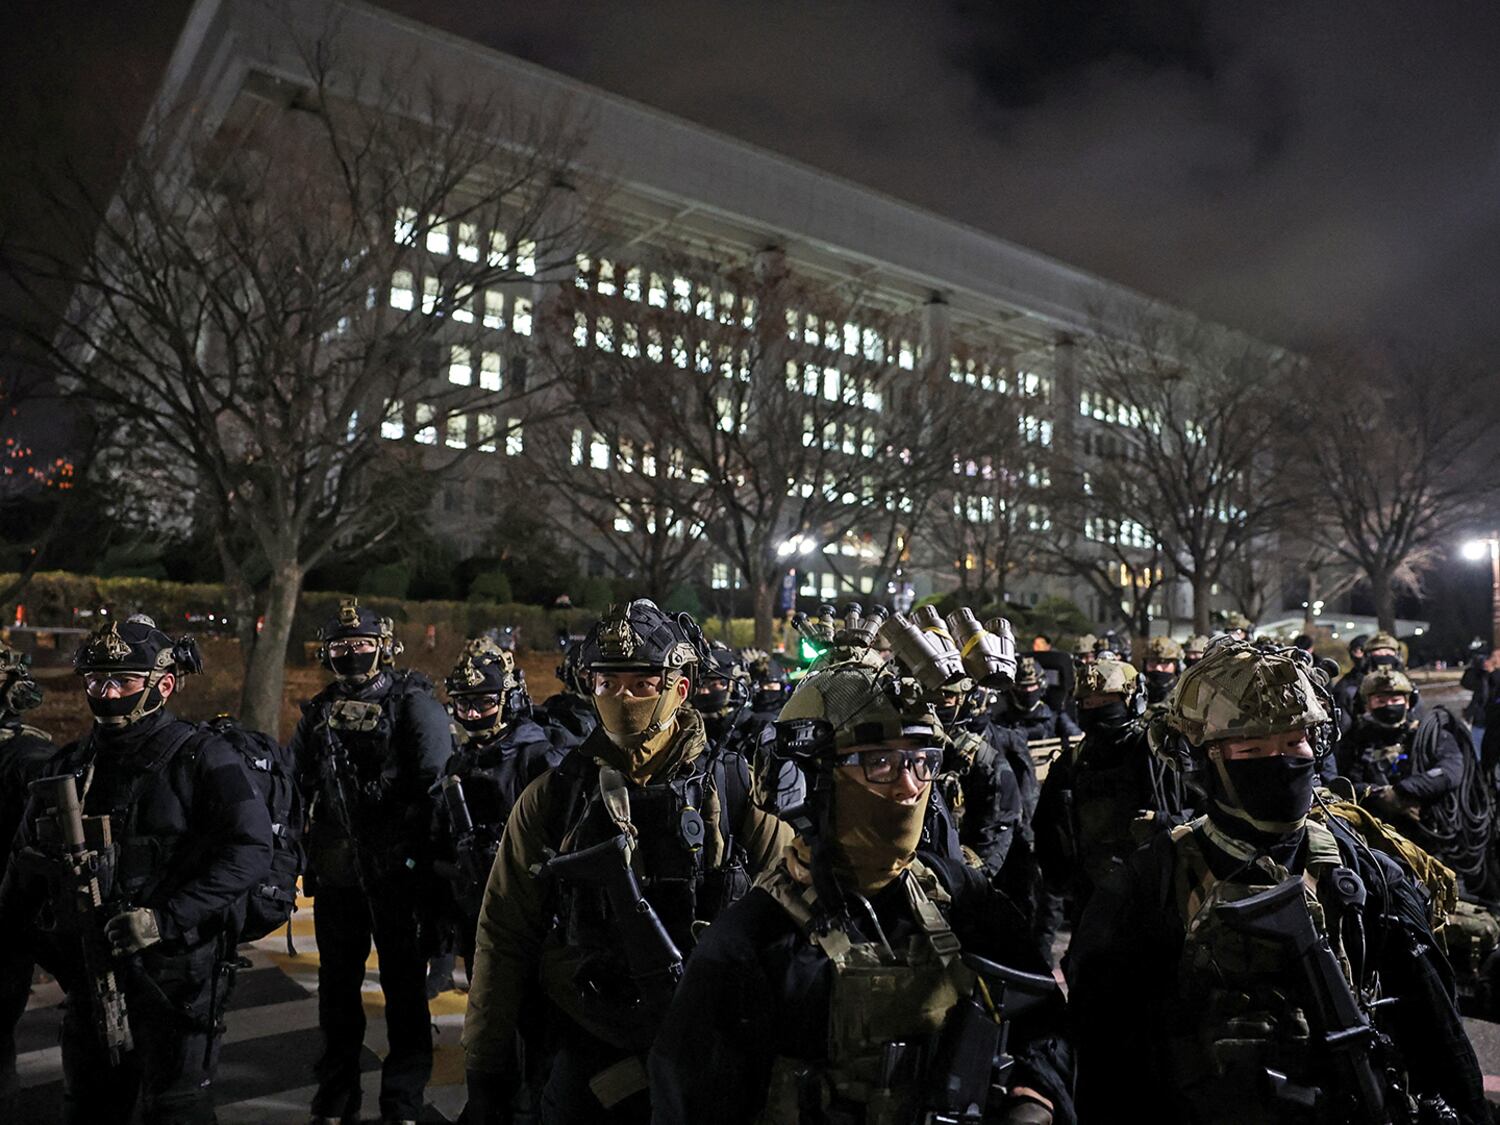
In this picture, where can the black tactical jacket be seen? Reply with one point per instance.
(25, 755)
(567, 719)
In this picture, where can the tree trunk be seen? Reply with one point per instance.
(1202, 607)
(1309, 618)
(765, 611)
(265, 674)
(1384, 591)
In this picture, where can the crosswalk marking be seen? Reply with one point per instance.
(265, 1072)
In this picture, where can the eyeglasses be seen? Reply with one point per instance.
(126, 683)
(475, 704)
(354, 646)
(884, 767)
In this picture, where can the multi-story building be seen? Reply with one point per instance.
(974, 310)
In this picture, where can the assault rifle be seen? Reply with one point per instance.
(971, 1057)
(1280, 914)
(474, 858)
(653, 958)
(336, 773)
(85, 847)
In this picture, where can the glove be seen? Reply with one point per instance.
(132, 931)
(490, 1097)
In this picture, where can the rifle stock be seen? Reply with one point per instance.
(85, 846)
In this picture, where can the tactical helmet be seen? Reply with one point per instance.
(638, 636)
(1196, 643)
(1357, 644)
(1085, 645)
(137, 646)
(1161, 649)
(1385, 681)
(570, 671)
(1242, 690)
(355, 620)
(484, 668)
(1234, 620)
(18, 691)
(1028, 673)
(1382, 640)
(862, 706)
(1106, 676)
(723, 663)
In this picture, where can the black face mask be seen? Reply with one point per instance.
(354, 665)
(110, 712)
(1391, 715)
(1027, 700)
(711, 702)
(1109, 715)
(1158, 684)
(1383, 660)
(480, 724)
(1277, 791)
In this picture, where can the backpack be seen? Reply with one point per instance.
(270, 905)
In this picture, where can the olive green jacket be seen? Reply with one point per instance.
(516, 947)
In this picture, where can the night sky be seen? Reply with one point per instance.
(1314, 172)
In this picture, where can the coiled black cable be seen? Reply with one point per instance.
(1459, 822)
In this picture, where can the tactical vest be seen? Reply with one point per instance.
(1106, 803)
(687, 859)
(882, 1012)
(1238, 1011)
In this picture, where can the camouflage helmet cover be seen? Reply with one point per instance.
(1239, 690)
(1385, 681)
(1382, 640)
(1163, 648)
(1236, 620)
(864, 705)
(1106, 676)
(1084, 645)
(1196, 643)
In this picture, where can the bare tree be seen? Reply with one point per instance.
(290, 310)
(775, 417)
(1403, 450)
(1194, 416)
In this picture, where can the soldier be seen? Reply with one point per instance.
(1099, 805)
(1346, 689)
(1193, 649)
(190, 836)
(369, 747)
(644, 802)
(994, 786)
(769, 685)
(1057, 673)
(1405, 770)
(1050, 737)
(811, 999)
(722, 697)
(26, 754)
(1238, 627)
(1163, 666)
(1263, 968)
(500, 752)
(568, 717)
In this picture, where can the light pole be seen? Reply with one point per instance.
(1476, 549)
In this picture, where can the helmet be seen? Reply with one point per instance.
(134, 645)
(1196, 643)
(638, 636)
(1085, 645)
(1358, 643)
(1233, 621)
(1383, 640)
(570, 671)
(861, 705)
(1241, 690)
(1106, 676)
(355, 620)
(18, 691)
(1385, 681)
(505, 636)
(1162, 649)
(1028, 673)
(725, 664)
(484, 668)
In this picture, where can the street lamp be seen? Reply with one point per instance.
(1476, 549)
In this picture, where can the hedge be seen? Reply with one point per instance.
(64, 599)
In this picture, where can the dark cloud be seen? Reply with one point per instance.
(1311, 171)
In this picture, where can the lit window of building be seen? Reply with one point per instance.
(406, 225)
(437, 235)
(393, 426)
(606, 277)
(631, 290)
(598, 453)
(489, 371)
(851, 339)
(425, 427)
(459, 370)
(630, 341)
(514, 438)
(484, 432)
(719, 576)
(468, 242)
(494, 308)
(623, 524)
(654, 348)
(520, 316)
(526, 257)
(905, 357)
(577, 448)
(656, 295)
(580, 329)
(463, 306)
(682, 294)
(499, 255)
(401, 290)
(604, 334)
(456, 432)
(583, 278)
(705, 303)
(430, 292)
